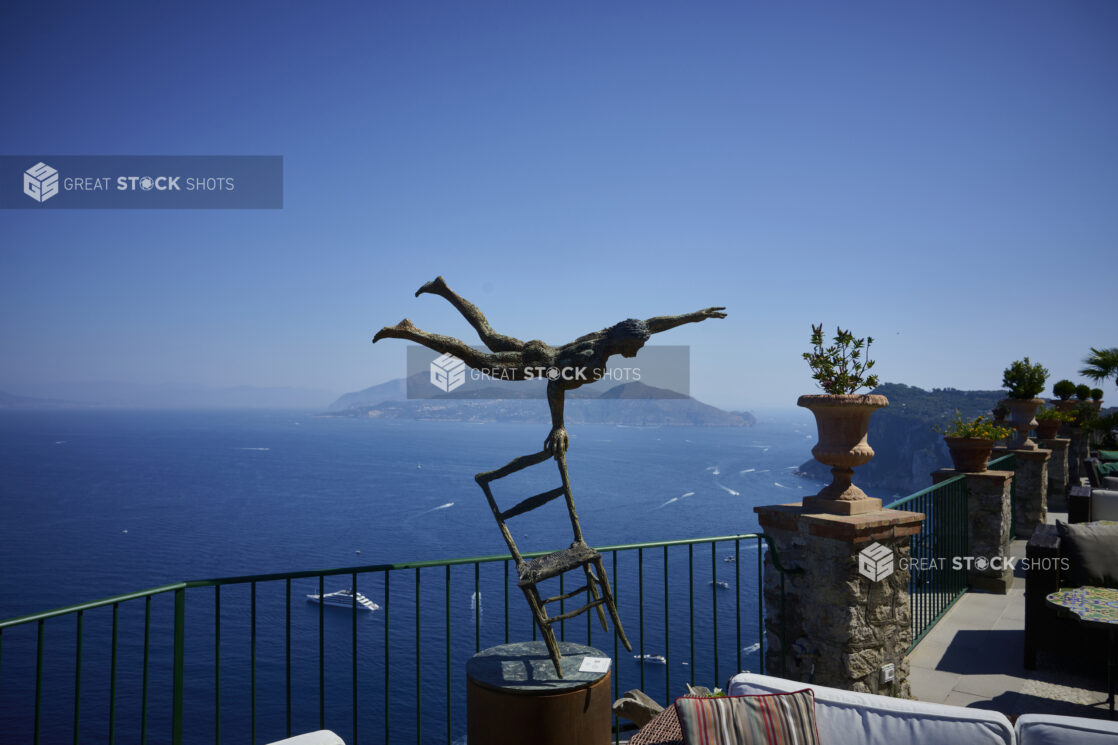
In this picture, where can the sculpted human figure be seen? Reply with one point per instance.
(567, 367)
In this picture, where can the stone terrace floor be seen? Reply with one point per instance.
(973, 657)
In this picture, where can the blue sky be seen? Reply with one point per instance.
(941, 176)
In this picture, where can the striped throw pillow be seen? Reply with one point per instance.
(770, 719)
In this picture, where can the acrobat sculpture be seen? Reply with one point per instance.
(566, 367)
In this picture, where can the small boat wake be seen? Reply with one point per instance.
(446, 506)
(727, 489)
(751, 648)
(685, 495)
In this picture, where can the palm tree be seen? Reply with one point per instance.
(1101, 364)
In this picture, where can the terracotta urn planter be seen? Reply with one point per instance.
(969, 454)
(1046, 429)
(1021, 415)
(842, 421)
(1069, 405)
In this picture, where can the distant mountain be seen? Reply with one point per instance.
(393, 390)
(632, 404)
(169, 396)
(906, 447)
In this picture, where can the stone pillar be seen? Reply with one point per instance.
(1031, 490)
(1078, 451)
(1058, 466)
(989, 518)
(845, 613)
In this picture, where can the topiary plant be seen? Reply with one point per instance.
(1024, 379)
(1083, 392)
(1096, 394)
(1064, 390)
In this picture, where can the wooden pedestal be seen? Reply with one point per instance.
(513, 697)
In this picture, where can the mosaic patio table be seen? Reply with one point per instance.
(1097, 606)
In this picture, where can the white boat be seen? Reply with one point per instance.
(652, 659)
(343, 599)
(730, 559)
(720, 584)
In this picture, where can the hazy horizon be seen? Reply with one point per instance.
(940, 177)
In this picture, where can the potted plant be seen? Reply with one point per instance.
(1083, 392)
(970, 443)
(1000, 412)
(1048, 421)
(1096, 397)
(1064, 390)
(1025, 380)
(842, 417)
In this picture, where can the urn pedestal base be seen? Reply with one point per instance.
(841, 506)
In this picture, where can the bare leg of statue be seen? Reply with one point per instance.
(493, 340)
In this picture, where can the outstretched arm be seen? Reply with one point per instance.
(663, 323)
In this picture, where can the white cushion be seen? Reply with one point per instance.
(849, 718)
(1046, 729)
(1104, 504)
(322, 737)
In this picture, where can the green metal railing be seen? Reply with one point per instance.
(936, 579)
(246, 659)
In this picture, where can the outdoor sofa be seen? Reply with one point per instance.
(849, 718)
(1098, 500)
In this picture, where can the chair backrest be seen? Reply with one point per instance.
(530, 503)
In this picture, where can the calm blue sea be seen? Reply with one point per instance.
(96, 503)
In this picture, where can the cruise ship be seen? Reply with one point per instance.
(344, 599)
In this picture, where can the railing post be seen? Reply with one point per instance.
(1030, 484)
(846, 610)
(179, 666)
(989, 524)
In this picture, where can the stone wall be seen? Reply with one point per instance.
(840, 625)
(1031, 490)
(1057, 466)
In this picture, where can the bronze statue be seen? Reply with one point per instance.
(567, 367)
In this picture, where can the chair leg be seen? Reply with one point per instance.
(544, 625)
(612, 605)
(592, 583)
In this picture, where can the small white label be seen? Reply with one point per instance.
(595, 665)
